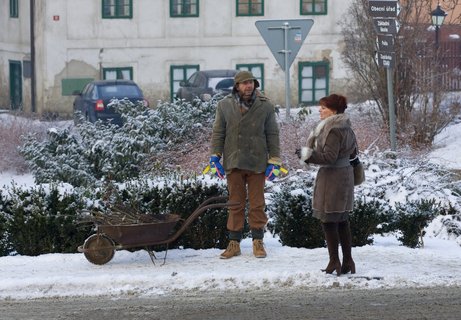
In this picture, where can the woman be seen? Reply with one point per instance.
(331, 144)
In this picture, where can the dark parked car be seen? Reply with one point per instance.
(205, 84)
(93, 101)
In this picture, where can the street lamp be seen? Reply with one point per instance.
(438, 15)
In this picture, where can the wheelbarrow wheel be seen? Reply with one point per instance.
(99, 249)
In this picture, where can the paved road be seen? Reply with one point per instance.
(421, 303)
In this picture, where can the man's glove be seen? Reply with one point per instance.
(216, 167)
(272, 171)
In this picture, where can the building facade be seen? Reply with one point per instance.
(52, 48)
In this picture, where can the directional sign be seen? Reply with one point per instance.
(385, 43)
(383, 8)
(386, 25)
(385, 59)
(284, 37)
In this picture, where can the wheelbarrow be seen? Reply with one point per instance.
(100, 247)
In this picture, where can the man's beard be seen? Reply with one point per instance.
(246, 94)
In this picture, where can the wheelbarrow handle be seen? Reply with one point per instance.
(217, 199)
(207, 204)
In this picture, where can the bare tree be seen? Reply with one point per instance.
(417, 75)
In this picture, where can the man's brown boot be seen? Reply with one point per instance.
(258, 248)
(232, 250)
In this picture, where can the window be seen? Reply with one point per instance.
(256, 69)
(184, 8)
(117, 9)
(178, 74)
(117, 73)
(313, 7)
(14, 9)
(250, 7)
(313, 81)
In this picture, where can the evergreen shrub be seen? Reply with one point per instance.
(5, 245)
(292, 220)
(411, 218)
(43, 221)
(365, 219)
(96, 152)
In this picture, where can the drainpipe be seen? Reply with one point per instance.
(33, 88)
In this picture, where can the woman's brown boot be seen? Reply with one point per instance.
(331, 236)
(345, 239)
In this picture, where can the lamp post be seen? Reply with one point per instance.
(438, 15)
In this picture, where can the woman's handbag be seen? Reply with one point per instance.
(359, 170)
(359, 173)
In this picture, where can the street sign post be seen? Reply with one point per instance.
(384, 14)
(284, 38)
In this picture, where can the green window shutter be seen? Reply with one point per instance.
(73, 84)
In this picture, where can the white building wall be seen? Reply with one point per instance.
(73, 41)
(14, 46)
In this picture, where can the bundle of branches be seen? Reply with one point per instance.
(122, 214)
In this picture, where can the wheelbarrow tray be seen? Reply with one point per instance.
(141, 233)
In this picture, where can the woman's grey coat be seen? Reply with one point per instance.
(332, 142)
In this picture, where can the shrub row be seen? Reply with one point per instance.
(47, 220)
(292, 219)
(52, 220)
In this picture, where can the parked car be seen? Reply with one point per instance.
(205, 84)
(93, 102)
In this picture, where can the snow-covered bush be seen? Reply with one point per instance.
(98, 152)
(411, 218)
(292, 219)
(290, 213)
(366, 219)
(5, 246)
(38, 220)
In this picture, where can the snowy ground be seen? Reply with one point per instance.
(385, 264)
(61, 275)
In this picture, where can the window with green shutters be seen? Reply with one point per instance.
(117, 9)
(184, 8)
(180, 73)
(250, 7)
(313, 7)
(256, 69)
(313, 80)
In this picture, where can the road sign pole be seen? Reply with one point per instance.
(390, 98)
(384, 14)
(287, 73)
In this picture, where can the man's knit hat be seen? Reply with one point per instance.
(243, 76)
